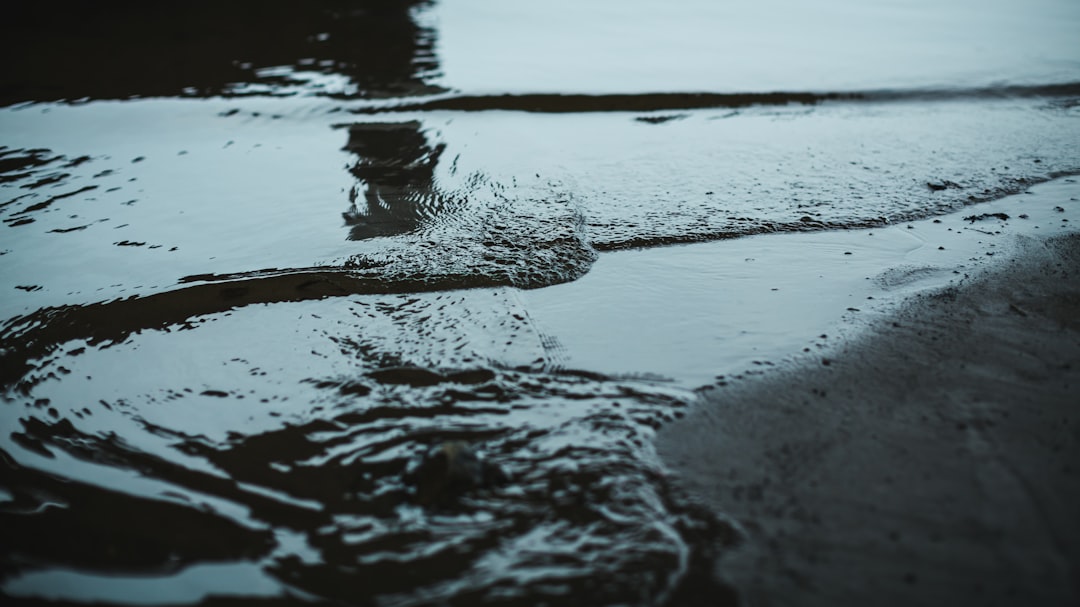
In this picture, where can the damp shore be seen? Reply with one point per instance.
(928, 457)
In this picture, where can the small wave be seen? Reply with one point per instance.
(584, 513)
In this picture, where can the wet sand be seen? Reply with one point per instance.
(933, 459)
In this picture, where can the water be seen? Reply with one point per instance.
(248, 284)
(747, 46)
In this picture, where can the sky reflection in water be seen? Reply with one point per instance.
(236, 315)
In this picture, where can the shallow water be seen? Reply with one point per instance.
(244, 296)
(750, 303)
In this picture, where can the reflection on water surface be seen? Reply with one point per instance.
(396, 169)
(119, 50)
(237, 318)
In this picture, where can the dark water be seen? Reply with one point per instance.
(260, 259)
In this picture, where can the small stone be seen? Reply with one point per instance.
(450, 470)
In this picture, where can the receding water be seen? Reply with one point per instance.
(258, 265)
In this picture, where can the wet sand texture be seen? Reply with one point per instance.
(933, 461)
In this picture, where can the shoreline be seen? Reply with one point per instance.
(749, 303)
(933, 458)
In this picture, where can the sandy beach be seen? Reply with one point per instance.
(931, 459)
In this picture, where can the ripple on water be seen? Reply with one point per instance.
(268, 446)
(272, 416)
